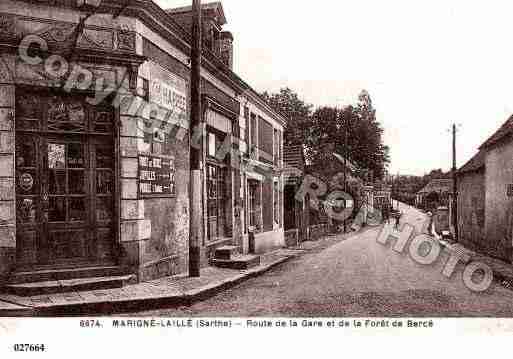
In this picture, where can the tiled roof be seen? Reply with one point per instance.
(505, 130)
(437, 185)
(475, 163)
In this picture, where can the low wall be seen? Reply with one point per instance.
(441, 220)
(292, 238)
(317, 231)
(268, 241)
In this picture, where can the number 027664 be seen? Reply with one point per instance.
(29, 347)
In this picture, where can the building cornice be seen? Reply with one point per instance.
(161, 22)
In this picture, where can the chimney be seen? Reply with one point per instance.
(226, 45)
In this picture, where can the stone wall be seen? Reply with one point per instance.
(7, 187)
(291, 238)
(155, 231)
(268, 241)
(499, 207)
(471, 210)
(441, 219)
(317, 231)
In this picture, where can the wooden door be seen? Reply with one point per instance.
(65, 171)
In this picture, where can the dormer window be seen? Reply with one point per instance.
(216, 41)
(212, 38)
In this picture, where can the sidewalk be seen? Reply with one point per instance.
(502, 271)
(175, 290)
(170, 291)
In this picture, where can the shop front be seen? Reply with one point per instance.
(220, 174)
(65, 180)
(60, 197)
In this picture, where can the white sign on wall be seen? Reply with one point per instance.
(169, 91)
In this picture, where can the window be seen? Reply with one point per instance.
(277, 202)
(253, 204)
(253, 131)
(216, 192)
(215, 145)
(265, 140)
(246, 125)
(277, 147)
(212, 144)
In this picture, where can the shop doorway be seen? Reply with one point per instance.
(65, 181)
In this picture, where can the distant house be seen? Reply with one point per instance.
(436, 193)
(333, 165)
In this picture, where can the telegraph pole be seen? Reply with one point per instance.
(454, 185)
(196, 156)
(345, 165)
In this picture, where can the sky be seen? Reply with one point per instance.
(426, 65)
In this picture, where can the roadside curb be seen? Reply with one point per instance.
(141, 304)
(17, 311)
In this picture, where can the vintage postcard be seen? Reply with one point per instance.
(187, 171)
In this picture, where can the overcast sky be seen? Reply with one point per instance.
(426, 65)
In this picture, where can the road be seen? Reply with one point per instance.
(357, 277)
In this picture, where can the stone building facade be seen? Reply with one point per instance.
(95, 142)
(485, 197)
(471, 203)
(499, 191)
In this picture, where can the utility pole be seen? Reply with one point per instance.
(454, 186)
(196, 156)
(345, 165)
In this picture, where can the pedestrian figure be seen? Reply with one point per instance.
(386, 214)
(397, 219)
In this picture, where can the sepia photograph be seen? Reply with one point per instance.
(207, 165)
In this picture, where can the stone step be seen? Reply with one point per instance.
(63, 274)
(68, 285)
(226, 252)
(239, 262)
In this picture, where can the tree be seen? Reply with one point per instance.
(372, 153)
(353, 132)
(324, 131)
(297, 112)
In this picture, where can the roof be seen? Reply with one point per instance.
(437, 185)
(163, 22)
(216, 6)
(475, 163)
(220, 67)
(505, 130)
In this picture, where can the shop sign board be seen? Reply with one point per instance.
(156, 176)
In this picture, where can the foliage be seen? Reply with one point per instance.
(352, 131)
(288, 103)
(405, 188)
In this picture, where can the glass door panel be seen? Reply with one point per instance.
(65, 180)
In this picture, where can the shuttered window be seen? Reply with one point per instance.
(265, 143)
(253, 130)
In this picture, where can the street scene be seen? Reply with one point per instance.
(353, 277)
(179, 158)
